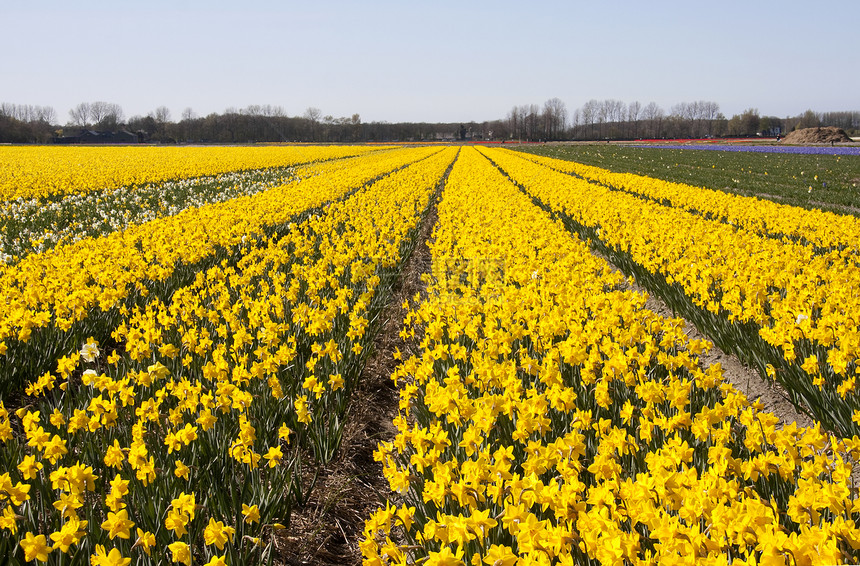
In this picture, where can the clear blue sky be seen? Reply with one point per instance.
(429, 61)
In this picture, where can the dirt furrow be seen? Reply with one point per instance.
(327, 530)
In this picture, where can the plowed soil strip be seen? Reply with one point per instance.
(326, 532)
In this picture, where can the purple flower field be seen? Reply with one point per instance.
(807, 150)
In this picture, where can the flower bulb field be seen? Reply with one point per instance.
(183, 333)
(806, 176)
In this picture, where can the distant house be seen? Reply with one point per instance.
(93, 137)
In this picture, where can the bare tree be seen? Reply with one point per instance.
(531, 120)
(355, 123)
(161, 114)
(847, 120)
(710, 112)
(633, 110)
(589, 114)
(696, 118)
(617, 111)
(20, 112)
(80, 115)
(555, 118)
(653, 114)
(28, 113)
(604, 111)
(105, 115)
(98, 111)
(514, 122)
(272, 111)
(312, 115)
(680, 118)
(46, 114)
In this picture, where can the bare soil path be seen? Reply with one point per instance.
(327, 530)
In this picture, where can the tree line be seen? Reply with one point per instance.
(613, 119)
(608, 119)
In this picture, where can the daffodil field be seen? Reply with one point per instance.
(548, 418)
(778, 285)
(184, 328)
(805, 176)
(57, 298)
(53, 172)
(192, 441)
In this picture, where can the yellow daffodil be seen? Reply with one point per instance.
(118, 524)
(35, 547)
(180, 552)
(104, 558)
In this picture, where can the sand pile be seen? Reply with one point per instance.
(817, 135)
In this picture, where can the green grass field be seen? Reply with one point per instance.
(826, 182)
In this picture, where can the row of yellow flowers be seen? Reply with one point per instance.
(33, 226)
(28, 172)
(75, 282)
(549, 418)
(801, 302)
(191, 445)
(760, 216)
